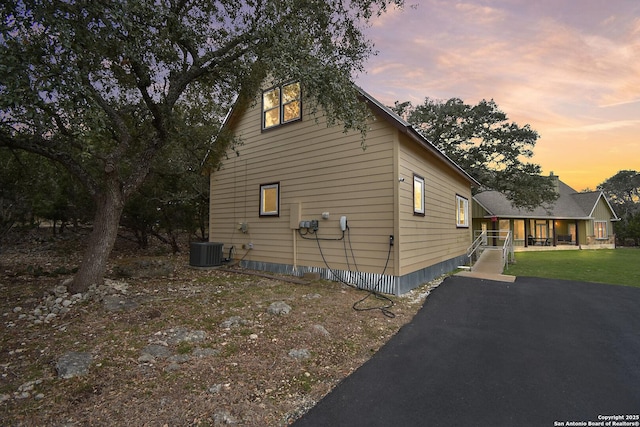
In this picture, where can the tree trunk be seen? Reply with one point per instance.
(109, 209)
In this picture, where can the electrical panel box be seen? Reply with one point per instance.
(311, 225)
(305, 224)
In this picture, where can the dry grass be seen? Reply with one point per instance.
(250, 381)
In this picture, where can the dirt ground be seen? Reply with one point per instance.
(249, 376)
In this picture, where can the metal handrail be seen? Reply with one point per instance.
(477, 243)
(480, 242)
(508, 252)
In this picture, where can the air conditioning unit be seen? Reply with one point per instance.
(205, 254)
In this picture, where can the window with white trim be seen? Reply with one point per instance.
(462, 211)
(600, 229)
(270, 199)
(281, 105)
(418, 195)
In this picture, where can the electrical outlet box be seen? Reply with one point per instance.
(311, 225)
(343, 223)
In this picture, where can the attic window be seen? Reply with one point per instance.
(281, 105)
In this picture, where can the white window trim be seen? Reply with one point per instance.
(595, 230)
(465, 223)
(417, 179)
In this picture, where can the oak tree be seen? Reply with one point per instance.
(623, 191)
(103, 87)
(482, 140)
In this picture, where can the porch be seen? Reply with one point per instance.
(591, 244)
(546, 248)
(535, 234)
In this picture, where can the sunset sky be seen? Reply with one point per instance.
(568, 68)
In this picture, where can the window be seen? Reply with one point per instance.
(462, 212)
(518, 229)
(600, 229)
(504, 226)
(542, 229)
(281, 105)
(418, 195)
(270, 199)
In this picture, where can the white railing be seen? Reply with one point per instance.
(479, 242)
(494, 236)
(508, 253)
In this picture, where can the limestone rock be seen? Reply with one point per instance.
(279, 308)
(73, 364)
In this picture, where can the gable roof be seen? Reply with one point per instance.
(408, 129)
(391, 117)
(569, 205)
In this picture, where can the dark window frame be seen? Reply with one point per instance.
(261, 211)
(281, 106)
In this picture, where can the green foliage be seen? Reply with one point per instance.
(173, 199)
(103, 88)
(184, 347)
(623, 192)
(481, 140)
(33, 189)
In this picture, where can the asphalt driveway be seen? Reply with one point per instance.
(536, 352)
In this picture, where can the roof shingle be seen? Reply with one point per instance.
(569, 205)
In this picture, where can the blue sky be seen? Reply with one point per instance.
(568, 68)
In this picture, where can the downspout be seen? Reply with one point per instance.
(295, 212)
(398, 182)
(295, 250)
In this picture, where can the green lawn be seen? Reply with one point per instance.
(615, 266)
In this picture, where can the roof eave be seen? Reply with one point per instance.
(482, 206)
(601, 195)
(575, 218)
(406, 128)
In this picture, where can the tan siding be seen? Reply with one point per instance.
(433, 238)
(325, 171)
(601, 212)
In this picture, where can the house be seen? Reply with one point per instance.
(302, 197)
(575, 221)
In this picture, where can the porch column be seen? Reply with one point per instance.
(554, 231)
(494, 220)
(526, 232)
